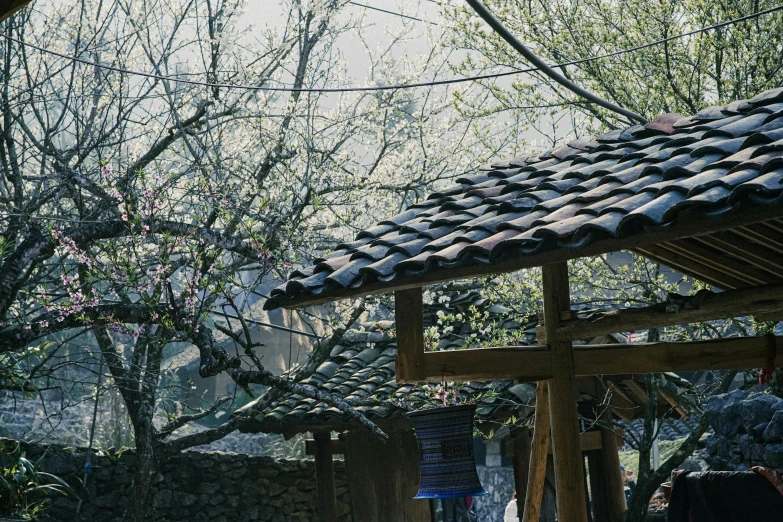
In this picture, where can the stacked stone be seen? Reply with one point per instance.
(499, 484)
(748, 431)
(193, 486)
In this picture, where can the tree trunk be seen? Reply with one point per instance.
(145, 470)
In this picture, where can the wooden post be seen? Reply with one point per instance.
(566, 447)
(324, 477)
(409, 322)
(598, 496)
(522, 442)
(538, 456)
(612, 476)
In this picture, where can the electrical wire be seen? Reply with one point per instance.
(392, 13)
(533, 58)
(398, 86)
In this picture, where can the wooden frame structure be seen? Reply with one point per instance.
(701, 194)
(556, 363)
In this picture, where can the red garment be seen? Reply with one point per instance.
(468, 502)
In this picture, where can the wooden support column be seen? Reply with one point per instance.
(409, 322)
(521, 461)
(324, 477)
(611, 474)
(569, 466)
(538, 456)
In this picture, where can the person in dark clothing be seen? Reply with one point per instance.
(456, 509)
(724, 496)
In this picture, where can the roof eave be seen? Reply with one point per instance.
(689, 224)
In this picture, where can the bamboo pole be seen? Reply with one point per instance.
(538, 455)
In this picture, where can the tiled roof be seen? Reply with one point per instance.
(361, 367)
(671, 429)
(576, 199)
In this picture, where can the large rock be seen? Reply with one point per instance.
(758, 408)
(773, 432)
(725, 412)
(773, 455)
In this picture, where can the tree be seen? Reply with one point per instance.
(679, 75)
(132, 206)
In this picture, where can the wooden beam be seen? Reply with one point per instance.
(732, 353)
(487, 364)
(626, 408)
(324, 477)
(409, 322)
(723, 305)
(637, 390)
(569, 464)
(589, 441)
(337, 447)
(687, 225)
(538, 457)
(526, 364)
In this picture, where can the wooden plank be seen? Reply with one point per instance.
(538, 456)
(337, 447)
(569, 465)
(686, 226)
(361, 477)
(409, 322)
(526, 364)
(324, 478)
(722, 305)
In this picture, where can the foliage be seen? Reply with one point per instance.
(24, 488)
(681, 75)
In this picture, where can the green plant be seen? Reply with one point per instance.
(24, 488)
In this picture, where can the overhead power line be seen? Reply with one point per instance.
(533, 58)
(398, 86)
(392, 13)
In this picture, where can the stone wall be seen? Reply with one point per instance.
(499, 483)
(748, 431)
(193, 486)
